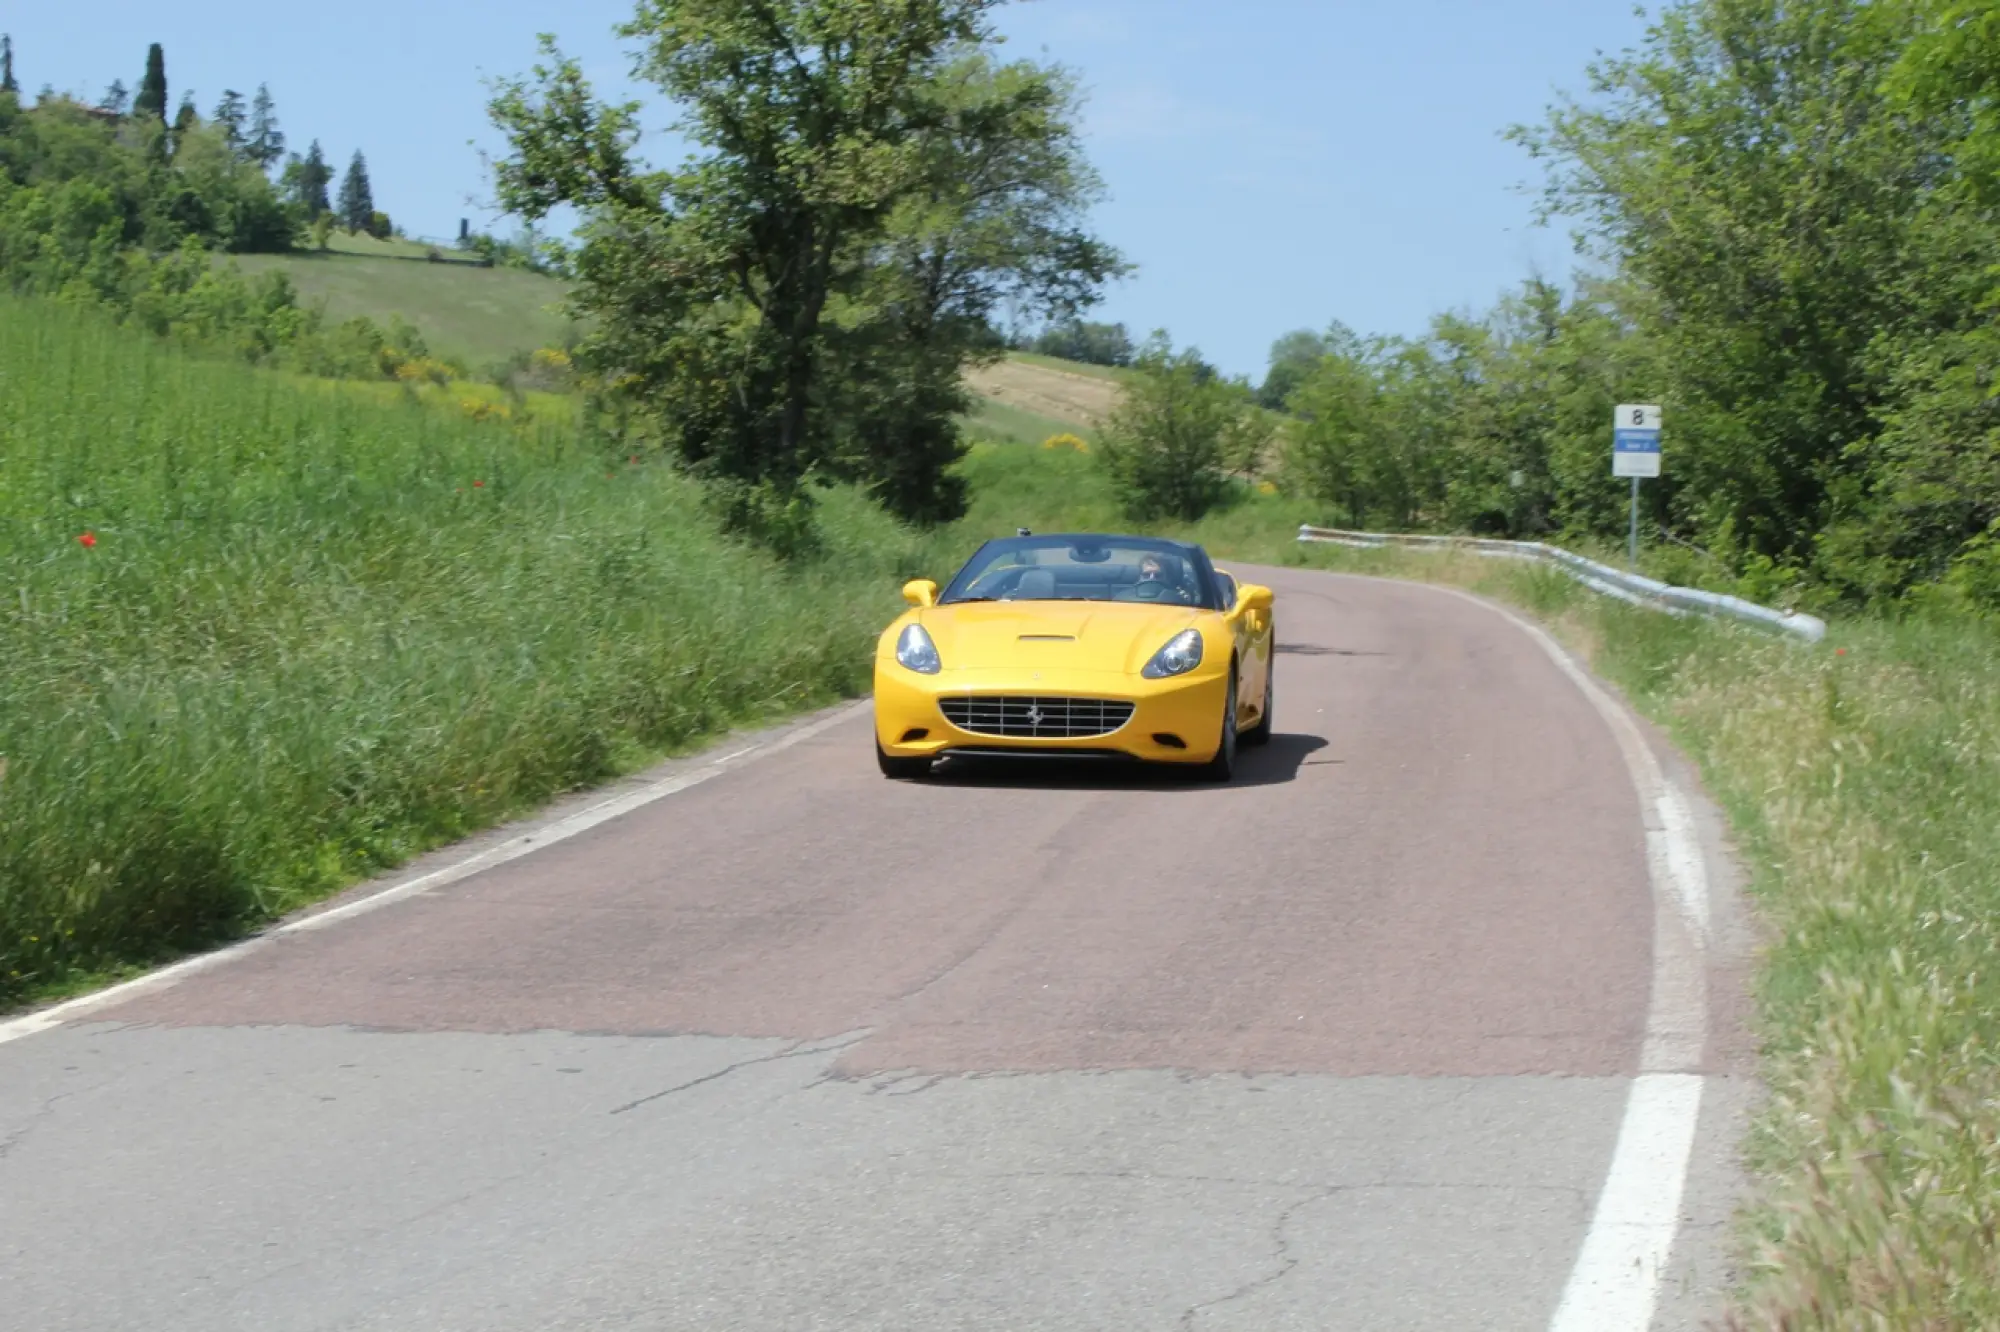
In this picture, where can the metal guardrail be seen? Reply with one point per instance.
(1630, 587)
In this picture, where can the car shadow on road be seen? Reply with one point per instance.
(1271, 764)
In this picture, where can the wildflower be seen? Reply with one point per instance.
(1840, 652)
(479, 485)
(87, 540)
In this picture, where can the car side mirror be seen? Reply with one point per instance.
(1251, 597)
(920, 592)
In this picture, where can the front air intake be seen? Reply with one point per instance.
(1021, 717)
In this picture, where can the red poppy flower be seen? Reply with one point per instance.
(1840, 652)
(478, 485)
(87, 540)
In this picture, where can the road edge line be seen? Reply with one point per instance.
(1614, 1285)
(612, 807)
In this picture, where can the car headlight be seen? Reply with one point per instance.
(1181, 655)
(916, 651)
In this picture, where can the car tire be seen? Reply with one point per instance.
(1260, 734)
(1223, 766)
(901, 769)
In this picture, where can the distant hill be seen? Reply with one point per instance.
(1041, 393)
(477, 315)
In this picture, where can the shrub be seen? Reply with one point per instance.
(1073, 443)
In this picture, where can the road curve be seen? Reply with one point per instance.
(1346, 1044)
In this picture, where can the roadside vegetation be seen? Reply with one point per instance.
(260, 638)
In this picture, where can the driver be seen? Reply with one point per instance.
(1150, 568)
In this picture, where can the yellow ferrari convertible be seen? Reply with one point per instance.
(1077, 646)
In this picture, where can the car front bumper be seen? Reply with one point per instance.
(1185, 708)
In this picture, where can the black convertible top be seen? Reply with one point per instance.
(1193, 554)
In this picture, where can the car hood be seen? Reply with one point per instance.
(1072, 635)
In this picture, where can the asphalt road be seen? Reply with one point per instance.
(1347, 1044)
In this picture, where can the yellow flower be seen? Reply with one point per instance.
(1267, 487)
(1066, 441)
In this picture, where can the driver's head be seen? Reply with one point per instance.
(1150, 569)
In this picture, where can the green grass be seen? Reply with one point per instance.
(319, 633)
(1863, 780)
(995, 422)
(476, 315)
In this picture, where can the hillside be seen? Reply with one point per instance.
(1078, 396)
(473, 314)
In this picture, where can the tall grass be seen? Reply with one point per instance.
(1863, 779)
(316, 634)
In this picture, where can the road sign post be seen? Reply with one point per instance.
(1635, 452)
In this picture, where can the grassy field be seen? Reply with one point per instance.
(997, 423)
(261, 638)
(476, 315)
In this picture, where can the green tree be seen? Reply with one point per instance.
(1178, 434)
(266, 142)
(357, 199)
(305, 182)
(999, 221)
(1294, 356)
(1743, 169)
(232, 116)
(152, 96)
(8, 84)
(186, 117)
(1092, 344)
(722, 293)
(116, 98)
(1337, 443)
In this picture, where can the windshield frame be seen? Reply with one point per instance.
(955, 592)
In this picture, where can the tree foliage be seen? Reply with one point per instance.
(151, 99)
(800, 295)
(305, 182)
(266, 142)
(1180, 432)
(1790, 211)
(357, 197)
(1089, 343)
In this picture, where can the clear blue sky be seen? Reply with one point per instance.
(1272, 164)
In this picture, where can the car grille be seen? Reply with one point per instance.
(1031, 718)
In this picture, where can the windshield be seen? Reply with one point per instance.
(1086, 568)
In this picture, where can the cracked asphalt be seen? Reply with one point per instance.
(1344, 1045)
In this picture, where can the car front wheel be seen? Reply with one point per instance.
(1223, 766)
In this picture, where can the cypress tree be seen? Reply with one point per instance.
(357, 199)
(310, 176)
(7, 83)
(187, 117)
(152, 98)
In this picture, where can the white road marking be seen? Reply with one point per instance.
(1615, 1283)
(512, 849)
